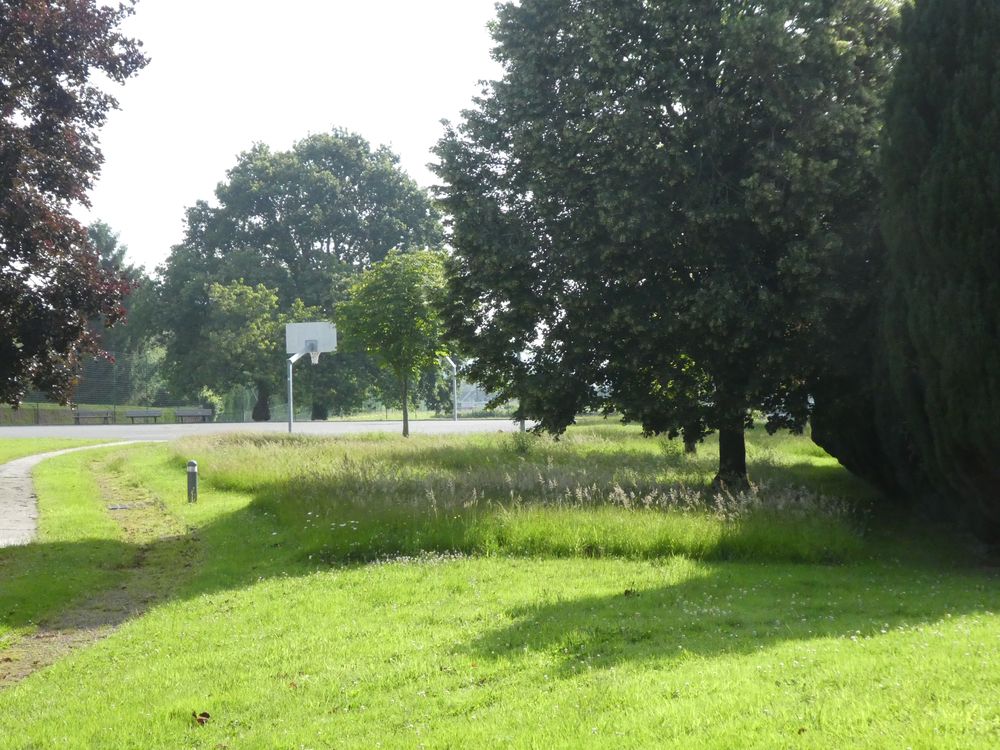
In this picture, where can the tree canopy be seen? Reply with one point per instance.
(653, 208)
(298, 220)
(302, 223)
(51, 281)
(393, 314)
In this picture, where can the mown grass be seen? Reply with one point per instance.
(13, 448)
(78, 550)
(515, 647)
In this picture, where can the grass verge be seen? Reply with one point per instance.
(79, 548)
(445, 650)
(13, 448)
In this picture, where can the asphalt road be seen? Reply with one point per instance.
(172, 431)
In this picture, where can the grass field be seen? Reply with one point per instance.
(20, 447)
(493, 590)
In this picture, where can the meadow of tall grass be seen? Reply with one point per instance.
(600, 490)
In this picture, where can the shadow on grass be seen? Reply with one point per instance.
(96, 583)
(40, 578)
(730, 608)
(255, 543)
(735, 609)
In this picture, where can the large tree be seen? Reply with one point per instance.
(394, 314)
(113, 258)
(942, 227)
(652, 208)
(128, 368)
(51, 281)
(302, 222)
(298, 220)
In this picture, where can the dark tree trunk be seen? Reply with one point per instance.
(732, 457)
(406, 406)
(262, 409)
(690, 434)
(320, 411)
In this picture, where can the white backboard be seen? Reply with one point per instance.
(310, 337)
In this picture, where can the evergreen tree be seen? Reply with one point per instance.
(942, 228)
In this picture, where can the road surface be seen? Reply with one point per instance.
(172, 431)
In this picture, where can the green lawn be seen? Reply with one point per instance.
(19, 447)
(356, 593)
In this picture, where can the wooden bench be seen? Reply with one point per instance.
(192, 415)
(144, 414)
(103, 416)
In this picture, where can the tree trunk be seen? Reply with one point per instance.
(406, 407)
(732, 457)
(690, 436)
(262, 409)
(320, 411)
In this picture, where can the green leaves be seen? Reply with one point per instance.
(302, 223)
(941, 314)
(393, 314)
(51, 282)
(652, 207)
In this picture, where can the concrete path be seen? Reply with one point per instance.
(18, 503)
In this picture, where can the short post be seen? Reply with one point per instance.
(192, 481)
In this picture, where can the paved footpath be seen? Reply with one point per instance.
(18, 504)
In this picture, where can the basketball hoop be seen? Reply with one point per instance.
(301, 339)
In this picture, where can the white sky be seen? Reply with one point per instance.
(227, 73)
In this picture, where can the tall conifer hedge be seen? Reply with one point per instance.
(941, 318)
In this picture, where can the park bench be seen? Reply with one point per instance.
(192, 415)
(81, 416)
(144, 414)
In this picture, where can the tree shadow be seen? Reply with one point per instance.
(70, 568)
(40, 581)
(709, 615)
(734, 609)
(728, 608)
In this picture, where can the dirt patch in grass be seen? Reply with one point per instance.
(164, 552)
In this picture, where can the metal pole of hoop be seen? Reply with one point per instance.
(454, 383)
(291, 406)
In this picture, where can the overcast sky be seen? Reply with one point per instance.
(227, 73)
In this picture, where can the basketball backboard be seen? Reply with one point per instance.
(314, 338)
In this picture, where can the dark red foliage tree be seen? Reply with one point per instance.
(51, 280)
